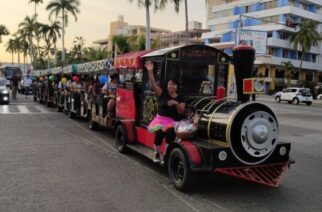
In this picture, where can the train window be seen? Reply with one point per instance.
(193, 77)
(157, 76)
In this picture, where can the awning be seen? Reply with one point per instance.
(130, 60)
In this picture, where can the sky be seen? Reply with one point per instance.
(95, 17)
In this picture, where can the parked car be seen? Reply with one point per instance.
(4, 93)
(319, 96)
(295, 96)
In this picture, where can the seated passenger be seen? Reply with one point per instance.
(109, 89)
(171, 108)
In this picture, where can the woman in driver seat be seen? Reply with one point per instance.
(171, 108)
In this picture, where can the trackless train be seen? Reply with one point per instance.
(232, 136)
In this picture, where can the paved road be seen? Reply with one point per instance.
(51, 163)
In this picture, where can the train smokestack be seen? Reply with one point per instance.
(243, 56)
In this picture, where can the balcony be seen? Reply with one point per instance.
(287, 45)
(269, 59)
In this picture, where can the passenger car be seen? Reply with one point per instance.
(4, 93)
(295, 95)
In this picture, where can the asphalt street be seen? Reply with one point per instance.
(49, 162)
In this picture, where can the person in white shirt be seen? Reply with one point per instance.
(26, 84)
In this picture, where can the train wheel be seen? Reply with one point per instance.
(59, 109)
(92, 124)
(120, 139)
(179, 171)
(70, 114)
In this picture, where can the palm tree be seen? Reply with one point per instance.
(305, 36)
(288, 66)
(147, 4)
(10, 47)
(63, 8)
(28, 28)
(36, 2)
(47, 51)
(79, 42)
(17, 46)
(3, 31)
(51, 34)
(121, 42)
(92, 54)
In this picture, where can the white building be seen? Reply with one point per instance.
(279, 19)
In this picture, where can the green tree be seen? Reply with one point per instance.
(36, 3)
(3, 31)
(79, 42)
(158, 5)
(53, 34)
(28, 28)
(121, 42)
(10, 47)
(288, 66)
(305, 37)
(61, 8)
(47, 51)
(92, 54)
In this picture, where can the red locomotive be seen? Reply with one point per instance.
(236, 137)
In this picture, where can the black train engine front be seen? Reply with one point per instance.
(240, 137)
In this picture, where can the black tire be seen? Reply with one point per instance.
(120, 140)
(320, 97)
(309, 103)
(278, 99)
(92, 124)
(59, 109)
(290, 102)
(296, 101)
(70, 114)
(179, 170)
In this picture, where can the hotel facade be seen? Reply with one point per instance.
(279, 19)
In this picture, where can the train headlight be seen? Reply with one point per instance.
(282, 150)
(222, 155)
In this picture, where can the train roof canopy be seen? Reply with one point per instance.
(189, 52)
(130, 60)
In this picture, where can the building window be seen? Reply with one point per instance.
(285, 53)
(266, 72)
(270, 4)
(255, 72)
(314, 58)
(270, 19)
(279, 73)
(284, 36)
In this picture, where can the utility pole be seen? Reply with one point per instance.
(238, 29)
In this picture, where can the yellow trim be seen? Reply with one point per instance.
(231, 118)
(220, 143)
(212, 115)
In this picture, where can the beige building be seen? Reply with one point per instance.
(181, 38)
(120, 27)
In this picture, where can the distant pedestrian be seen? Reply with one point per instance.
(26, 84)
(14, 86)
